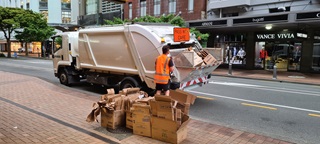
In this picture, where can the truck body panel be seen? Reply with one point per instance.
(128, 50)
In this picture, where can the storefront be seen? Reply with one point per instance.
(287, 40)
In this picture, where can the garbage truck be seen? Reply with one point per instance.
(124, 56)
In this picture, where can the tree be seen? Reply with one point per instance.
(8, 23)
(35, 28)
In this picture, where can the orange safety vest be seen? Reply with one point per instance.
(162, 75)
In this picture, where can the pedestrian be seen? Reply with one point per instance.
(163, 66)
(263, 56)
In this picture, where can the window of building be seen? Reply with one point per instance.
(190, 5)
(316, 53)
(91, 7)
(66, 17)
(230, 14)
(172, 6)
(110, 7)
(130, 10)
(157, 7)
(279, 9)
(143, 8)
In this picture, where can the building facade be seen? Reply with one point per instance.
(94, 12)
(58, 14)
(187, 9)
(269, 33)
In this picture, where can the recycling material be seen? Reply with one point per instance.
(164, 118)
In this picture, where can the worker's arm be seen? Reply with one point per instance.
(171, 65)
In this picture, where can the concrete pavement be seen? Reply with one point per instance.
(35, 111)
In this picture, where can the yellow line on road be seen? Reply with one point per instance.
(259, 106)
(314, 115)
(202, 97)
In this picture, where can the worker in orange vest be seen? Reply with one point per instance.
(164, 66)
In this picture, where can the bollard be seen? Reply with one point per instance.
(230, 69)
(274, 72)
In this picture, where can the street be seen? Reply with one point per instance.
(284, 111)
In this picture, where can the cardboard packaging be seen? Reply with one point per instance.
(184, 108)
(182, 96)
(209, 59)
(153, 106)
(169, 131)
(141, 120)
(112, 119)
(129, 120)
(165, 110)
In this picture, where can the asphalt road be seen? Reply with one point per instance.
(281, 110)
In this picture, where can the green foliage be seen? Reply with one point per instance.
(170, 18)
(199, 35)
(34, 26)
(58, 40)
(29, 26)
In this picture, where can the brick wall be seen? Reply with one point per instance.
(181, 5)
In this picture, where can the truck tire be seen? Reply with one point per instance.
(63, 77)
(128, 82)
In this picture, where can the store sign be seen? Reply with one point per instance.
(208, 23)
(261, 19)
(275, 36)
(309, 15)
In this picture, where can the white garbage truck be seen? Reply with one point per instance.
(124, 56)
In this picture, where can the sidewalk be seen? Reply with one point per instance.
(35, 111)
(282, 76)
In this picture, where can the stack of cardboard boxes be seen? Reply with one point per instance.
(160, 117)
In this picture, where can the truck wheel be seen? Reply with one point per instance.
(63, 77)
(128, 82)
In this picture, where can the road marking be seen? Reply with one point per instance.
(295, 91)
(202, 97)
(256, 102)
(259, 106)
(314, 115)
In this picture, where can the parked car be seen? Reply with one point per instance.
(20, 50)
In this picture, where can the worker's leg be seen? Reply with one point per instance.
(158, 92)
(167, 93)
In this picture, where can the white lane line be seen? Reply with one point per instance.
(259, 87)
(244, 100)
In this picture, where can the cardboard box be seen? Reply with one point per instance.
(168, 131)
(165, 110)
(153, 106)
(209, 59)
(184, 108)
(145, 100)
(178, 116)
(141, 120)
(129, 120)
(112, 119)
(162, 98)
(182, 96)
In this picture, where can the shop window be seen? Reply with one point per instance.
(286, 56)
(233, 46)
(316, 56)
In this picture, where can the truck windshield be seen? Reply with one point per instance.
(57, 45)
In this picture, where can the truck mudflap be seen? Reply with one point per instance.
(194, 77)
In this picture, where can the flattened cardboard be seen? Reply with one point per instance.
(209, 59)
(162, 98)
(168, 131)
(141, 109)
(141, 120)
(182, 96)
(145, 100)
